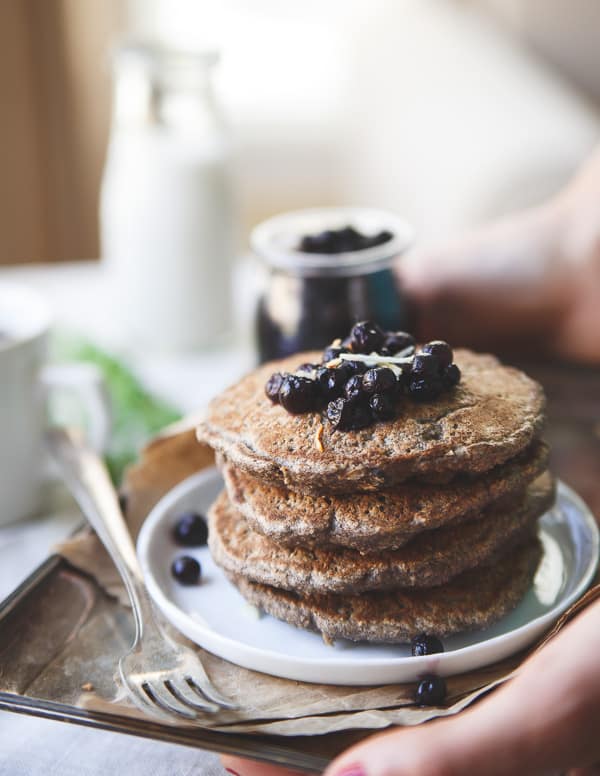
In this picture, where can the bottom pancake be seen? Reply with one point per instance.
(473, 600)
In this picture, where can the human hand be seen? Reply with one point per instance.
(529, 283)
(544, 721)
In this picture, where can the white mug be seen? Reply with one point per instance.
(25, 383)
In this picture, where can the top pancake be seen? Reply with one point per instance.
(493, 414)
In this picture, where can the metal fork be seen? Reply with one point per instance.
(161, 676)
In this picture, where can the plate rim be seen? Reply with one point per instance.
(541, 623)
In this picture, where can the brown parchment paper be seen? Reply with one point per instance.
(270, 705)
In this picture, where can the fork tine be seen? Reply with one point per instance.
(140, 698)
(161, 695)
(181, 689)
(205, 689)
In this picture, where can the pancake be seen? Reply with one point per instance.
(432, 558)
(473, 600)
(376, 521)
(493, 414)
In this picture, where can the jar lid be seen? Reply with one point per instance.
(277, 239)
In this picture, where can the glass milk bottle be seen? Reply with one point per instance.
(166, 208)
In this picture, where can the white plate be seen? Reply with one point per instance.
(215, 616)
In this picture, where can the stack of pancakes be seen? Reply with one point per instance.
(426, 523)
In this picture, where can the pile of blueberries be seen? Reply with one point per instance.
(342, 240)
(353, 394)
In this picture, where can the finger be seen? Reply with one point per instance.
(238, 766)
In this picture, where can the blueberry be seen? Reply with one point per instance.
(441, 350)
(273, 386)
(354, 387)
(423, 644)
(425, 388)
(324, 242)
(431, 691)
(379, 239)
(298, 394)
(348, 239)
(333, 352)
(379, 380)
(307, 368)
(348, 414)
(451, 376)
(191, 530)
(425, 365)
(382, 406)
(395, 341)
(356, 367)
(331, 382)
(366, 337)
(186, 570)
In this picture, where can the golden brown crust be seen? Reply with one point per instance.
(473, 600)
(493, 414)
(375, 521)
(432, 558)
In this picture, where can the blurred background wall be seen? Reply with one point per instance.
(448, 111)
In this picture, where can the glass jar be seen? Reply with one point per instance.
(166, 213)
(311, 299)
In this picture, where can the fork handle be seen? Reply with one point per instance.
(89, 482)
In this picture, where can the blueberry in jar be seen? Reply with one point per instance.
(431, 691)
(186, 570)
(441, 350)
(378, 380)
(382, 406)
(298, 394)
(425, 388)
(379, 239)
(191, 530)
(273, 387)
(397, 341)
(425, 365)
(323, 242)
(451, 376)
(424, 644)
(366, 337)
(348, 239)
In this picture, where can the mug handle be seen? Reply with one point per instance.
(87, 382)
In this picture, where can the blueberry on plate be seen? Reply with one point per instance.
(441, 350)
(425, 365)
(298, 394)
(190, 530)
(451, 376)
(425, 388)
(366, 337)
(272, 387)
(186, 570)
(431, 691)
(424, 644)
(379, 380)
(382, 406)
